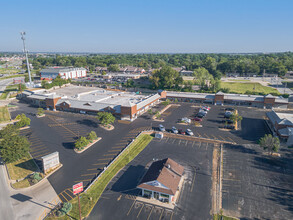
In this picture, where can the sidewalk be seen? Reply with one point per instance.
(30, 203)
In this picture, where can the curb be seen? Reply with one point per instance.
(87, 147)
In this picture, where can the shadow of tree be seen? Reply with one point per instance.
(28, 165)
(88, 122)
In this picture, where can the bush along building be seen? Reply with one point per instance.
(124, 105)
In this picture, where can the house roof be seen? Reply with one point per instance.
(288, 131)
(167, 172)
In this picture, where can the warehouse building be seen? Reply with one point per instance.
(162, 181)
(63, 72)
(220, 98)
(88, 100)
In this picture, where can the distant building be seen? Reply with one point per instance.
(63, 72)
(289, 75)
(162, 180)
(186, 73)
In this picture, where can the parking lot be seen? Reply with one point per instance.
(119, 199)
(251, 128)
(256, 186)
(57, 131)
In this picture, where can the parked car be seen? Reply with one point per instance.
(162, 128)
(228, 121)
(229, 127)
(202, 112)
(229, 109)
(181, 131)
(174, 130)
(228, 114)
(197, 119)
(203, 109)
(207, 107)
(199, 115)
(186, 120)
(189, 132)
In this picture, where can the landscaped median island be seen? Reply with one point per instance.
(89, 199)
(83, 143)
(106, 119)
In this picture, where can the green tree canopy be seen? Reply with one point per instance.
(14, 147)
(270, 143)
(91, 136)
(113, 68)
(23, 120)
(105, 118)
(81, 143)
(166, 78)
(9, 130)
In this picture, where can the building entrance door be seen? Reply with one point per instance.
(156, 195)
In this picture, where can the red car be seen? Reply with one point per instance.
(197, 119)
(181, 131)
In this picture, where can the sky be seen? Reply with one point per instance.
(147, 26)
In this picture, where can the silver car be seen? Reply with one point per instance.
(174, 130)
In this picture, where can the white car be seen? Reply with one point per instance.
(186, 120)
(189, 132)
(162, 128)
(174, 130)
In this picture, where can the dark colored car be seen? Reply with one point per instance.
(229, 127)
(181, 131)
(197, 119)
(228, 121)
(229, 109)
(200, 115)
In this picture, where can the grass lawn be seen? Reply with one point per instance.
(12, 76)
(237, 87)
(8, 71)
(10, 88)
(21, 168)
(88, 200)
(4, 114)
(21, 184)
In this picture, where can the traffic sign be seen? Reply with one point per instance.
(77, 188)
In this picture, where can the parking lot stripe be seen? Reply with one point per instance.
(114, 150)
(193, 181)
(62, 126)
(214, 137)
(198, 134)
(206, 135)
(192, 144)
(109, 154)
(92, 169)
(106, 159)
(88, 180)
(89, 174)
(38, 150)
(179, 141)
(118, 147)
(222, 138)
(68, 195)
(96, 164)
(63, 197)
(161, 214)
(230, 139)
(171, 216)
(131, 207)
(150, 213)
(186, 143)
(40, 155)
(140, 211)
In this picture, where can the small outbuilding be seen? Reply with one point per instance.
(162, 180)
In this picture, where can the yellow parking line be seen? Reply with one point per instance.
(161, 214)
(118, 147)
(206, 135)
(109, 154)
(68, 195)
(131, 207)
(99, 164)
(38, 150)
(63, 126)
(222, 138)
(171, 216)
(140, 211)
(105, 159)
(83, 180)
(92, 169)
(150, 213)
(214, 137)
(89, 174)
(230, 139)
(40, 155)
(63, 197)
(114, 150)
(198, 134)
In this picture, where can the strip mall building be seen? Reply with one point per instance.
(124, 105)
(220, 98)
(63, 72)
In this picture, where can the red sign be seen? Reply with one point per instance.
(77, 188)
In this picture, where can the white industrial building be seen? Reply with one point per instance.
(63, 72)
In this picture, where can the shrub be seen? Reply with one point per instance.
(40, 111)
(91, 136)
(66, 207)
(23, 121)
(81, 143)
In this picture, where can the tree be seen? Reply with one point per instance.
(9, 130)
(13, 148)
(235, 118)
(91, 136)
(113, 68)
(23, 121)
(166, 78)
(129, 83)
(270, 143)
(40, 112)
(81, 143)
(26, 79)
(105, 118)
(202, 76)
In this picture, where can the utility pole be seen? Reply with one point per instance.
(26, 57)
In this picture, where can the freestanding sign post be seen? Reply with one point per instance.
(77, 189)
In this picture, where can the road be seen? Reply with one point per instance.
(4, 83)
(6, 210)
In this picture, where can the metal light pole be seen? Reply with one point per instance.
(26, 57)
